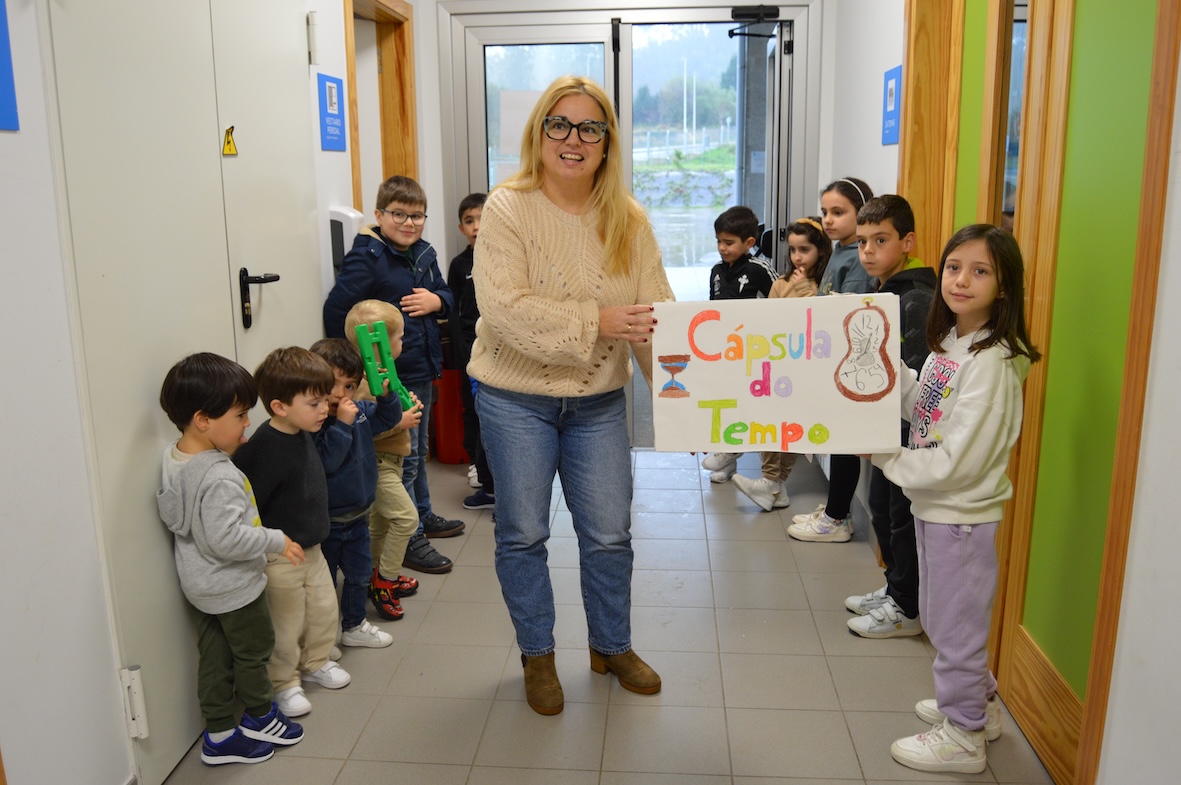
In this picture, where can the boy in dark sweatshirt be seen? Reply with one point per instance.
(740, 275)
(885, 238)
(463, 337)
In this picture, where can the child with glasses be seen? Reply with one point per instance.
(391, 262)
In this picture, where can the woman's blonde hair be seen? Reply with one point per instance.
(620, 215)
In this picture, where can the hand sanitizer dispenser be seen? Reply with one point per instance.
(344, 223)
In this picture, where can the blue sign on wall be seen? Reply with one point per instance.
(8, 118)
(331, 113)
(891, 105)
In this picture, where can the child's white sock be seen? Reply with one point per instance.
(220, 736)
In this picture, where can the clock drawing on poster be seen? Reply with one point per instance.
(865, 372)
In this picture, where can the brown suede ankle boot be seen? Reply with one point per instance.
(543, 691)
(633, 673)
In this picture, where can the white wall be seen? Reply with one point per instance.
(57, 651)
(853, 64)
(334, 172)
(368, 114)
(1144, 708)
(441, 229)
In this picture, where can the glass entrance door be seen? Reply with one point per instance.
(507, 70)
(709, 117)
(704, 122)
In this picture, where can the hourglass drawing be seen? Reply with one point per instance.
(674, 364)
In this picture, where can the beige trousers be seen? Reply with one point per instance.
(305, 613)
(777, 465)
(393, 519)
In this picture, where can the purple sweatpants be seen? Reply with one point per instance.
(957, 586)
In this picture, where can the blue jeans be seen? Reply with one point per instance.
(347, 547)
(529, 439)
(414, 467)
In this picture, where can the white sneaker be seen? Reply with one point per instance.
(724, 474)
(293, 702)
(719, 460)
(943, 748)
(862, 604)
(822, 529)
(367, 635)
(768, 494)
(330, 675)
(804, 517)
(928, 711)
(473, 477)
(885, 621)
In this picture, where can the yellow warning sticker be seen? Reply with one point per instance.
(228, 147)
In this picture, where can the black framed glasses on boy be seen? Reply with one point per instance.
(418, 219)
(558, 128)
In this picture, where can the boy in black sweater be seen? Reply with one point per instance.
(885, 238)
(289, 485)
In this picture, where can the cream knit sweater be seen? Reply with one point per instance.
(540, 281)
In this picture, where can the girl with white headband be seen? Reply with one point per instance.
(839, 202)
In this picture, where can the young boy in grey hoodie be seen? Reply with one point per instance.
(220, 547)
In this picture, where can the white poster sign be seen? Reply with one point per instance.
(811, 375)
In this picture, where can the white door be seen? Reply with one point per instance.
(159, 230)
(260, 61)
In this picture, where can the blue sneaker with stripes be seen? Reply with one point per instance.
(236, 749)
(273, 727)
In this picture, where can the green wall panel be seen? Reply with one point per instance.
(1106, 125)
(971, 126)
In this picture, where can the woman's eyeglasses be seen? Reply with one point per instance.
(558, 128)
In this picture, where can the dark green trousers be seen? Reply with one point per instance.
(233, 649)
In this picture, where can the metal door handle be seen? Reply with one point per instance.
(244, 281)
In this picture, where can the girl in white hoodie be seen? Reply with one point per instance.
(965, 413)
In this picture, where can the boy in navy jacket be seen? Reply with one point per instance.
(392, 262)
(345, 445)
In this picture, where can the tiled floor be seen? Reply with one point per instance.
(763, 683)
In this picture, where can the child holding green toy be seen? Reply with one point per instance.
(345, 445)
(393, 518)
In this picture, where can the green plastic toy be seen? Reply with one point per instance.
(375, 343)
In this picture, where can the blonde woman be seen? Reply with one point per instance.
(566, 271)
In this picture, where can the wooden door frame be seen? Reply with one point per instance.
(1154, 191)
(1031, 688)
(1035, 692)
(396, 93)
(930, 119)
(1066, 732)
(998, 53)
